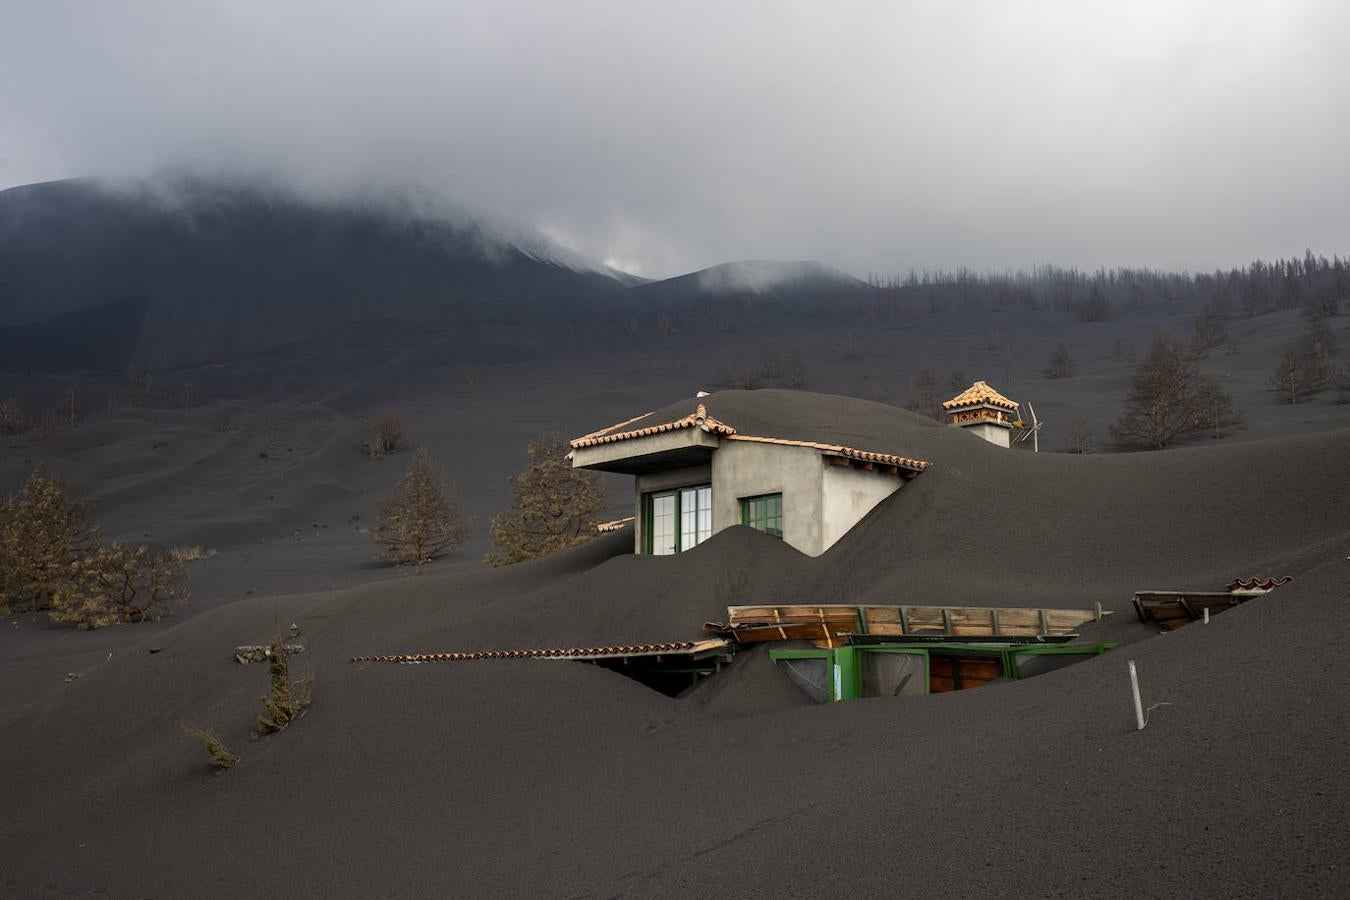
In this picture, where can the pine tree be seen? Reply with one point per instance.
(1216, 408)
(1164, 405)
(418, 520)
(923, 396)
(553, 506)
(43, 532)
(1289, 378)
(1318, 346)
(1061, 364)
(117, 584)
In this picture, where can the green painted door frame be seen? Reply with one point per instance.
(846, 668)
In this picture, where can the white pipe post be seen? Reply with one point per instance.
(1206, 615)
(1138, 704)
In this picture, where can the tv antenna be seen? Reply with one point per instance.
(1034, 432)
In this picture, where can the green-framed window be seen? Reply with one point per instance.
(763, 513)
(678, 519)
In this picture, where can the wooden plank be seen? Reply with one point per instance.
(1063, 621)
(797, 631)
(832, 619)
(941, 675)
(976, 671)
(925, 618)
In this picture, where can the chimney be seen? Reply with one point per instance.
(984, 411)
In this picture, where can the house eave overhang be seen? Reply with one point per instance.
(650, 453)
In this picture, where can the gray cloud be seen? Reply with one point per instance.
(667, 137)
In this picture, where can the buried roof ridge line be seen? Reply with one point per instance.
(699, 418)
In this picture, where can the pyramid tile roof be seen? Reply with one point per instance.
(979, 393)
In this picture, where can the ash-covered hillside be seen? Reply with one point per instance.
(97, 275)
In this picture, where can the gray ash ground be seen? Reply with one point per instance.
(553, 778)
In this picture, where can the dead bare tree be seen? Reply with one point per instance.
(387, 433)
(1079, 437)
(140, 383)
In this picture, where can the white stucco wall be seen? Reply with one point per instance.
(746, 469)
(849, 494)
(994, 434)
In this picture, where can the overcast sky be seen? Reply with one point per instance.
(664, 137)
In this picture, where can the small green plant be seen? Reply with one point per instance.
(221, 756)
(286, 700)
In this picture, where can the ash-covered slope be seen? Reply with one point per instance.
(553, 778)
(753, 279)
(212, 270)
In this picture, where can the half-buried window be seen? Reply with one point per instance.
(679, 519)
(764, 513)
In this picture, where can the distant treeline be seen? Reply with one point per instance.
(1298, 282)
(1251, 290)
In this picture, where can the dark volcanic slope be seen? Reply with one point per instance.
(220, 270)
(757, 279)
(550, 778)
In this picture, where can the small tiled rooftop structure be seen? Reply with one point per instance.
(980, 393)
(984, 411)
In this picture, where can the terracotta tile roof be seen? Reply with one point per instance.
(555, 652)
(888, 459)
(616, 525)
(1258, 584)
(699, 418)
(978, 393)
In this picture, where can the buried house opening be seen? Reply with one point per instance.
(671, 668)
(856, 671)
(673, 674)
(859, 651)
